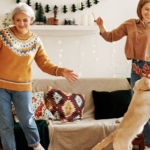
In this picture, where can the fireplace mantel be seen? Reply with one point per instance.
(64, 27)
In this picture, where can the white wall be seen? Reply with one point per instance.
(111, 59)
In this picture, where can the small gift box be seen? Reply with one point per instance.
(51, 21)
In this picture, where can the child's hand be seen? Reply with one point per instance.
(69, 75)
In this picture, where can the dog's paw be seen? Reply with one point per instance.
(96, 147)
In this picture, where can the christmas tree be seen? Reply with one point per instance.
(39, 14)
(88, 4)
(65, 9)
(45, 20)
(47, 9)
(82, 6)
(18, 1)
(36, 6)
(96, 1)
(74, 8)
(28, 2)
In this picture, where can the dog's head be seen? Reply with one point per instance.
(144, 83)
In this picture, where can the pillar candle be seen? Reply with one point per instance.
(90, 20)
(79, 4)
(84, 20)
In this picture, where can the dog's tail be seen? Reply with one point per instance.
(105, 142)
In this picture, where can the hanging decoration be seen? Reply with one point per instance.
(65, 9)
(74, 9)
(28, 2)
(82, 6)
(96, 1)
(36, 6)
(39, 14)
(88, 3)
(18, 1)
(47, 8)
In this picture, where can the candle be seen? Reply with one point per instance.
(84, 20)
(79, 4)
(90, 20)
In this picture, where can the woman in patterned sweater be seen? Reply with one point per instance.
(18, 48)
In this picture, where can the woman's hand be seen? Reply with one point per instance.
(99, 22)
(69, 75)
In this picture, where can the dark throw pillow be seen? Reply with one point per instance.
(111, 104)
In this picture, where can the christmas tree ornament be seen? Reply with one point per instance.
(47, 8)
(65, 9)
(18, 1)
(79, 4)
(56, 10)
(28, 2)
(82, 6)
(96, 1)
(88, 3)
(36, 6)
(74, 8)
(40, 14)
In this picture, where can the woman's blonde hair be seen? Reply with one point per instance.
(140, 5)
(24, 8)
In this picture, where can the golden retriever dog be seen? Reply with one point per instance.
(135, 118)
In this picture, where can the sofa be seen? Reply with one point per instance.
(78, 135)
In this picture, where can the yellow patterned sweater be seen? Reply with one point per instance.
(17, 51)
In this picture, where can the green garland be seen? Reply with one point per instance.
(73, 7)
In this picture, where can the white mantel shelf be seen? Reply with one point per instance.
(64, 27)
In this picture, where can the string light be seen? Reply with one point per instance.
(61, 50)
(60, 55)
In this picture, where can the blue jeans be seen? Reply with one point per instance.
(134, 78)
(23, 105)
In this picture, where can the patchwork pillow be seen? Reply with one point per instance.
(39, 108)
(111, 104)
(65, 106)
